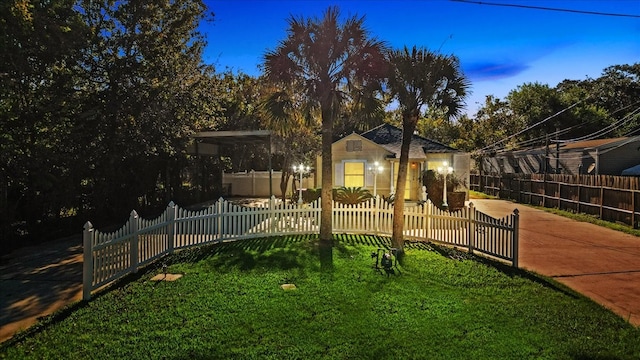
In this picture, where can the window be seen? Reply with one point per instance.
(354, 174)
(354, 145)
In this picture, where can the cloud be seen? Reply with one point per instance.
(486, 71)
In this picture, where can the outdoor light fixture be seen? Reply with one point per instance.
(302, 170)
(445, 170)
(386, 259)
(375, 170)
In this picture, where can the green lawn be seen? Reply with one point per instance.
(229, 305)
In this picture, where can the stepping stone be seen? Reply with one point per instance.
(167, 277)
(288, 287)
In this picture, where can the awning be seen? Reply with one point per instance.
(208, 142)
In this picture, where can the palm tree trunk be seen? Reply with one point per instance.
(284, 181)
(326, 225)
(397, 238)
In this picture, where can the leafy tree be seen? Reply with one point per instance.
(324, 60)
(295, 137)
(146, 87)
(421, 81)
(615, 93)
(97, 101)
(40, 43)
(533, 103)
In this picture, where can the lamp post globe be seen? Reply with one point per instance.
(375, 170)
(301, 169)
(445, 170)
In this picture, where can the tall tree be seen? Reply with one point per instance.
(296, 137)
(421, 81)
(146, 88)
(533, 103)
(324, 60)
(40, 43)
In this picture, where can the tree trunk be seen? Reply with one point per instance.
(326, 225)
(284, 181)
(397, 238)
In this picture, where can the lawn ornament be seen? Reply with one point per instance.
(385, 260)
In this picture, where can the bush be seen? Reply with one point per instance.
(351, 195)
(311, 195)
(433, 181)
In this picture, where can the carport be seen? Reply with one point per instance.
(208, 143)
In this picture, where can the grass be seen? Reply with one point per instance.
(443, 304)
(593, 220)
(478, 195)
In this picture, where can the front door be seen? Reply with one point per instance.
(412, 185)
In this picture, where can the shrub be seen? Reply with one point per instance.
(351, 195)
(311, 195)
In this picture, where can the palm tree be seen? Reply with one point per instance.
(421, 81)
(322, 61)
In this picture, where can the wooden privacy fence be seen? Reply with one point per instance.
(109, 256)
(611, 198)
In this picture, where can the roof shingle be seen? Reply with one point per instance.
(390, 137)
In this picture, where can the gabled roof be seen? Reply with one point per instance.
(358, 136)
(390, 138)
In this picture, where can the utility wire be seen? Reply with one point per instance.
(607, 129)
(533, 126)
(547, 8)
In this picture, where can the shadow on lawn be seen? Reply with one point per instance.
(456, 254)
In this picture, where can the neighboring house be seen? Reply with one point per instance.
(597, 157)
(354, 157)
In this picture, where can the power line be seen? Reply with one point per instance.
(607, 129)
(547, 8)
(532, 126)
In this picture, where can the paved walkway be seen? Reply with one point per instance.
(600, 263)
(38, 280)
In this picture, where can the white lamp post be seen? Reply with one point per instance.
(302, 170)
(375, 170)
(445, 170)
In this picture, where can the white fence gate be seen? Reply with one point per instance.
(109, 256)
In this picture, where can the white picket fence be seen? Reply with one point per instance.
(109, 256)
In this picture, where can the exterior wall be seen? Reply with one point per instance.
(368, 154)
(371, 152)
(613, 161)
(256, 183)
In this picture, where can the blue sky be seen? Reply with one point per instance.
(499, 47)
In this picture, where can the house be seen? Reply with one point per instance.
(355, 157)
(597, 157)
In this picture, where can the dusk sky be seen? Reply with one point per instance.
(499, 47)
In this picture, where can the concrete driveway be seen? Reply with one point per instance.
(600, 263)
(38, 280)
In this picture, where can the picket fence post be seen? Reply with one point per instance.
(87, 261)
(376, 214)
(171, 221)
(516, 236)
(219, 212)
(472, 227)
(429, 206)
(133, 218)
(271, 215)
